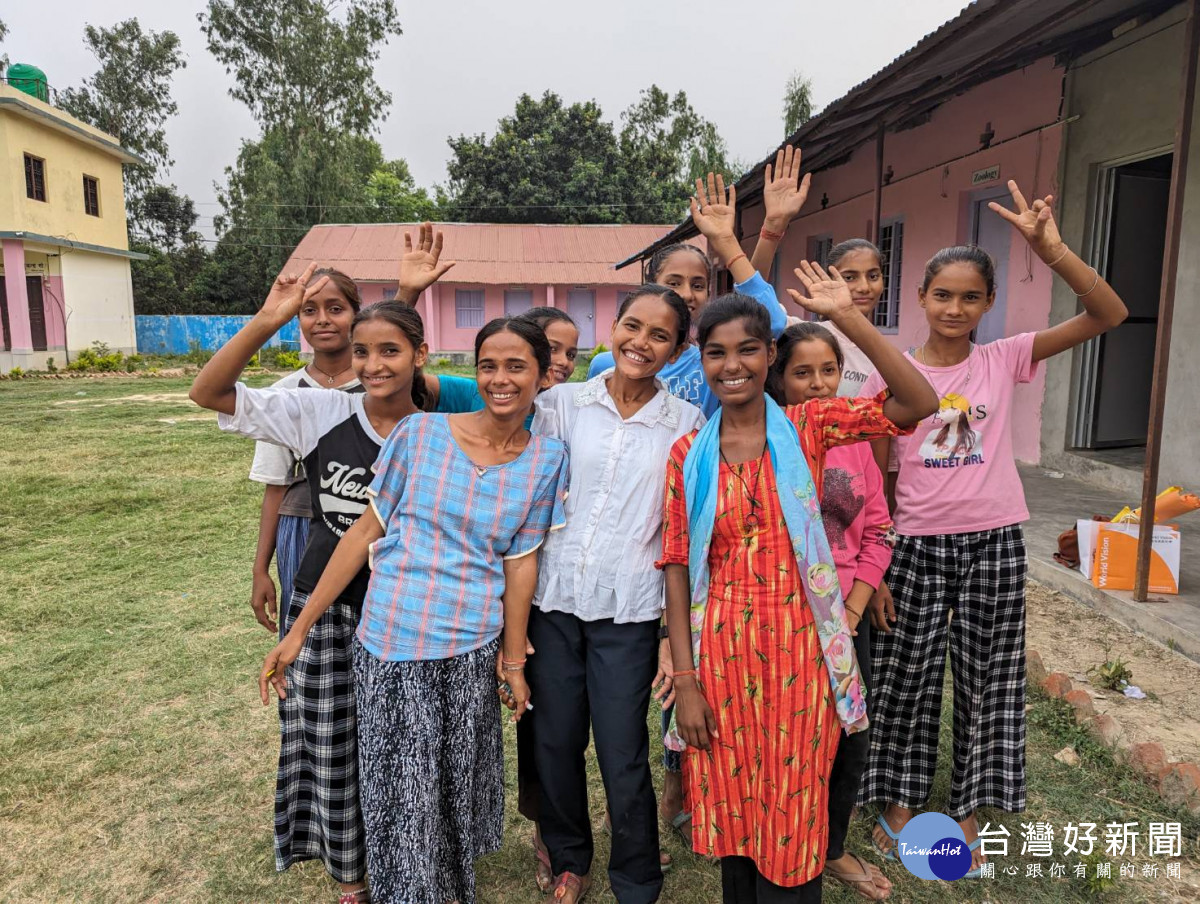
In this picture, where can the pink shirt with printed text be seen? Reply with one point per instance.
(957, 472)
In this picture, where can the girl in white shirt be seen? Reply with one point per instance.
(598, 606)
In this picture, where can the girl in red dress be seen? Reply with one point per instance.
(764, 664)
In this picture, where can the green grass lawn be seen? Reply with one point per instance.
(136, 763)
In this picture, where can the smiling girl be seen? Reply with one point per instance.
(458, 505)
(967, 557)
(764, 662)
(283, 523)
(337, 436)
(598, 604)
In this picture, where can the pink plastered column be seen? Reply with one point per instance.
(550, 297)
(18, 296)
(429, 314)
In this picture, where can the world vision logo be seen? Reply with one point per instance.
(932, 846)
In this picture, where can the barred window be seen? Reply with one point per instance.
(35, 178)
(468, 308)
(891, 244)
(91, 196)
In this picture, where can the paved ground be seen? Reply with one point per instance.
(1055, 505)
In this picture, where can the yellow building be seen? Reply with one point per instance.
(66, 280)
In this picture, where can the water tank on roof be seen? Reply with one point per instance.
(29, 79)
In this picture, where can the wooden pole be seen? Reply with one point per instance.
(1166, 304)
(878, 199)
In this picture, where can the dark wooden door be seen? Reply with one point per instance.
(4, 316)
(37, 312)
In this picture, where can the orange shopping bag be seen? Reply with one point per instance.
(1114, 562)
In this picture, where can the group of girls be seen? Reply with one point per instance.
(714, 460)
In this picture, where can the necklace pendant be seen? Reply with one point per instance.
(480, 470)
(752, 520)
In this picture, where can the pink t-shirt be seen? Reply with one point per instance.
(957, 473)
(855, 513)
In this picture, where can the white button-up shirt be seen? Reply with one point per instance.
(601, 564)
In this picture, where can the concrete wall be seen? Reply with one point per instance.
(98, 294)
(1126, 98)
(933, 192)
(173, 334)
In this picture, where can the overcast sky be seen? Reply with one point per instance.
(461, 64)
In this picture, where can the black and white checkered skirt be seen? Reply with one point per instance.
(317, 815)
(431, 773)
(980, 578)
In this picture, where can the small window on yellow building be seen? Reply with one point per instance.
(91, 196)
(35, 178)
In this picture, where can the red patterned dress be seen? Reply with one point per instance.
(761, 792)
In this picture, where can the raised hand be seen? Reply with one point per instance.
(714, 208)
(828, 294)
(288, 293)
(422, 266)
(1035, 223)
(784, 192)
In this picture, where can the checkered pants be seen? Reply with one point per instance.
(317, 814)
(980, 577)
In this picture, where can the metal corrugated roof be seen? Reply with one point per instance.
(987, 39)
(486, 253)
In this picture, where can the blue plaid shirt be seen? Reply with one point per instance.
(437, 574)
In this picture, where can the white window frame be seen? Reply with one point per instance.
(891, 244)
(469, 315)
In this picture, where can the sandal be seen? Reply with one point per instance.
(358, 896)
(895, 836)
(571, 884)
(863, 881)
(664, 859)
(977, 872)
(543, 874)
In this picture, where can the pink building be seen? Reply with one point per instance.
(501, 269)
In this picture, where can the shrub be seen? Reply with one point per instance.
(16, 373)
(50, 367)
(289, 360)
(253, 362)
(99, 358)
(197, 355)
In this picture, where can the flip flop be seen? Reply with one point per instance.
(543, 874)
(855, 881)
(978, 871)
(895, 836)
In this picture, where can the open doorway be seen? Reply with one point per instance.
(1118, 367)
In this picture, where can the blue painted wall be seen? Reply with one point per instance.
(173, 334)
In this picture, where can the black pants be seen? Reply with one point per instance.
(851, 758)
(742, 883)
(597, 672)
(528, 789)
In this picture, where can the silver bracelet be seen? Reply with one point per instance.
(1094, 284)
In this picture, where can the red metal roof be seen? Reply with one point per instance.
(486, 253)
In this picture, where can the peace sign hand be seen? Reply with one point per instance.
(714, 208)
(422, 266)
(828, 294)
(288, 294)
(784, 192)
(1035, 223)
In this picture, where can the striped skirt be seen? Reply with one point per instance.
(291, 537)
(431, 773)
(317, 814)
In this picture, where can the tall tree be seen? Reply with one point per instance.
(547, 163)
(3, 56)
(294, 62)
(307, 76)
(797, 102)
(162, 284)
(129, 97)
(392, 196)
(665, 146)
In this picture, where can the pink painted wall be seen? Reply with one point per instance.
(17, 299)
(437, 309)
(54, 303)
(933, 194)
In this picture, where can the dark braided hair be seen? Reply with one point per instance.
(408, 321)
(660, 257)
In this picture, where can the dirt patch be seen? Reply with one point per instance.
(1073, 639)
(122, 400)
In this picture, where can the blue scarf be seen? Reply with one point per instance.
(810, 545)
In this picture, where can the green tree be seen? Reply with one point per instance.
(3, 56)
(392, 196)
(308, 78)
(665, 146)
(547, 163)
(294, 63)
(129, 97)
(163, 283)
(797, 102)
